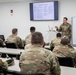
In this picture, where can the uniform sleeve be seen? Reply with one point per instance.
(70, 28)
(1, 42)
(22, 58)
(51, 45)
(20, 42)
(60, 28)
(28, 39)
(55, 66)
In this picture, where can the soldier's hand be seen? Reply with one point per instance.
(56, 27)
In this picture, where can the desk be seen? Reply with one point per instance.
(64, 70)
(11, 51)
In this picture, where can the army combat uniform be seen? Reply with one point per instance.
(15, 39)
(28, 39)
(65, 29)
(36, 59)
(1, 42)
(3, 65)
(64, 51)
(55, 42)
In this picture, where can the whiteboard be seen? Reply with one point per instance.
(74, 31)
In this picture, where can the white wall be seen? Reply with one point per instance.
(21, 17)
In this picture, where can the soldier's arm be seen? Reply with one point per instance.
(59, 29)
(20, 42)
(55, 66)
(70, 28)
(22, 58)
(51, 45)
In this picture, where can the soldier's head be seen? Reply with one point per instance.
(32, 29)
(65, 20)
(65, 40)
(37, 38)
(58, 35)
(15, 31)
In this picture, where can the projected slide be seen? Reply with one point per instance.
(44, 11)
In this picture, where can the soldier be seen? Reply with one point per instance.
(36, 59)
(28, 37)
(65, 49)
(65, 28)
(56, 41)
(14, 38)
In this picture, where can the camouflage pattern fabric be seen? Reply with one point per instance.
(65, 29)
(55, 42)
(36, 59)
(3, 65)
(64, 51)
(28, 39)
(15, 39)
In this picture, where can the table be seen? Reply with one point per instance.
(64, 70)
(11, 51)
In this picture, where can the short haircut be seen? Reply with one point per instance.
(58, 35)
(14, 30)
(37, 38)
(32, 29)
(65, 18)
(65, 40)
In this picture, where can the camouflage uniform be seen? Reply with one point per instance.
(64, 51)
(27, 46)
(28, 39)
(1, 42)
(65, 29)
(55, 42)
(3, 65)
(15, 39)
(36, 59)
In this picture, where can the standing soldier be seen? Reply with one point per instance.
(65, 28)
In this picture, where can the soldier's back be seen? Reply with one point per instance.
(56, 41)
(63, 51)
(38, 60)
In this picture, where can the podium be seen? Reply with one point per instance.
(52, 35)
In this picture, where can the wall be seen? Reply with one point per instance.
(21, 18)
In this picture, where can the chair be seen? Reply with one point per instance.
(11, 45)
(66, 61)
(2, 37)
(14, 46)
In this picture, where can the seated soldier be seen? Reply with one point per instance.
(56, 41)
(36, 59)
(15, 39)
(28, 37)
(65, 49)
